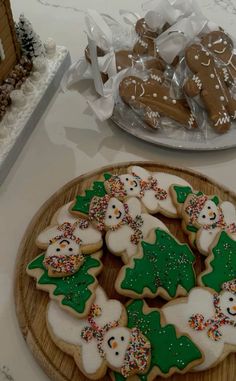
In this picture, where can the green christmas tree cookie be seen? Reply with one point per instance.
(221, 263)
(164, 268)
(171, 353)
(82, 203)
(75, 293)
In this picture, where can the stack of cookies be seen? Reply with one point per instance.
(196, 327)
(208, 77)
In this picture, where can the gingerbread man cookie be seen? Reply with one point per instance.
(124, 223)
(152, 96)
(210, 82)
(222, 47)
(209, 319)
(145, 44)
(66, 241)
(128, 59)
(101, 340)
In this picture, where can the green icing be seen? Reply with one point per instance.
(166, 263)
(83, 202)
(192, 228)
(216, 200)
(107, 176)
(168, 350)
(223, 263)
(182, 193)
(75, 288)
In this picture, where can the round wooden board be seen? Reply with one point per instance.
(31, 304)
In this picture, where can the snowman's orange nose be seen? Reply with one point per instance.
(116, 211)
(211, 214)
(62, 245)
(114, 344)
(234, 308)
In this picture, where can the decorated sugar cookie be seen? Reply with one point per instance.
(212, 84)
(170, 352)
(66, 242)
(204, 217)
(221, 263)
(209, 319)
(163, 266)
(222, 47)
(100, 340)
(124, 223)
(152, 188)
(75, 293)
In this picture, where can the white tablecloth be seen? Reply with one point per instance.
(67, 142)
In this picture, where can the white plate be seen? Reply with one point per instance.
(181, 139)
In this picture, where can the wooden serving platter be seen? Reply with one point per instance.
(31, 304)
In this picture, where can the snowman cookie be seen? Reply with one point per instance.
(204, 217)
(152, 97)
(222, 47)
(101, 340)
(209, 319)
(66, 241)
(211, 83)
(151, 188)
(124, 223)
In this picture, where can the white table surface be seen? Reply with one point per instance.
(67, 142)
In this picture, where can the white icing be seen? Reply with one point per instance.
(223, 120)
(200, 301)
(205, 239)
(119, 240)
(165, 180)
(115, 344)
(115, 213)
(67, 328)
(209, 214)
(191, 120)
(229, 212)
(63, 247)
(220, 51)
(206, 64)
(131, 185)
(198, 82)
(89, 235)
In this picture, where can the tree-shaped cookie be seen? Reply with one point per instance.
(124, 223)
(152, 188)
(163, 267)
(100, 340)
(74, 293)
(210, 82)
(222, 47)
(82, 202)
(221, 263)
(152, 98)
(209, 319)
(66, 241)
(170, 352)
(204, 217)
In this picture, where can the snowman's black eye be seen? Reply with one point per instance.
(209, 207)
(127, 179)
(58, 249)
(109, 216)
(231, 299)
(117, 353)
(131, 189)
(70, 249)
(122, 338)
(113, 206)
(203, 216)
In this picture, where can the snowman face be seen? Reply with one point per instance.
(228, 304)
(63, 247)
(115, 212)
(115, 344)
(209, 214)
(131, 185)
